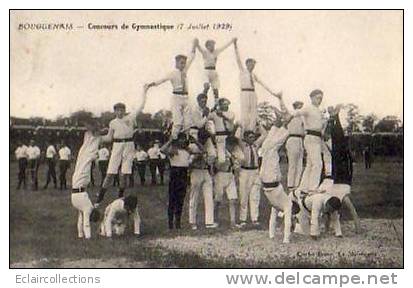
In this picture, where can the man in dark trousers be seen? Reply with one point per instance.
(339, 184)
(154, 155)
(21, 156)
(64, 164)
(51, 155)
(367, 157)
(141, 158)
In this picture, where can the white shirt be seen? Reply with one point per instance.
(21, 152)
(270, 168)
(220, 123)
(123, 127)
(247, 79)
(178, 78)
(181, 159)
(296, 126)
(154, 153)
(141, 156)
(197, 117)
(250, 154)
(33, 152)
(87, 154)
(64, 153)
(50, 152)
(103, 154)
(115, 207)
(315, 203)
(313, 118)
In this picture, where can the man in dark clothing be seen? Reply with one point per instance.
(367, 157)
(339, 185)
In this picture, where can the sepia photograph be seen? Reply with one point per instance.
(206, 139)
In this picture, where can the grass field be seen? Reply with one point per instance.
(43, 232)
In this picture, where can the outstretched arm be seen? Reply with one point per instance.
(109, 136)
(159, 82)
(221, 49)
(237, 56)
(265, 86)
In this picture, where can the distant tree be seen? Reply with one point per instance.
(76, 118)
(368, 122)
(389, 123)
(162, 118)
(36, 121)
(106, 117)
(353, 118)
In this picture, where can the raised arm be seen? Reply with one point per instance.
(191, 57)
(143, 102)
(222, 48)
(202, 50)
(262, 137)
(165, 148)
(237, 56)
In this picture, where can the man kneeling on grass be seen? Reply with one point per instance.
(117, 215)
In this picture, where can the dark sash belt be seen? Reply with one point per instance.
(270, 184)
(222, 133)
(180, 93)
(248, 89)
(313, 132)
(123, 140)
(194, 127)
(296, 135)
(210, 68)
(78, 190)
(249, 168)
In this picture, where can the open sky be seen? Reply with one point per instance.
(353, 56)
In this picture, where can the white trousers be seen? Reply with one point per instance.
(211, 76)
(181, 116)
(224, 182)
(249, 111)
(279, 201)
(122, 154)
(312, 171)
(250, 193)
(220, 141)
(201, 182)
(82, 203)
(295, 154)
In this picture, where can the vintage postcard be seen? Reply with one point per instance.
(206, 139)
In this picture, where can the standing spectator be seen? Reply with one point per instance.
(178, 177)
(33, 154)
(64, 163)
(51, 155)
(163, 160)
(103, 160)
(21, 156)
(141, 159)
(367, 157)
(154, 157)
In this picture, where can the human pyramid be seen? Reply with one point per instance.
(214, 151)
